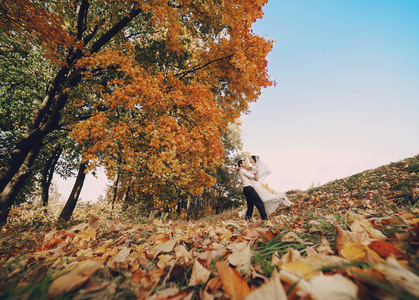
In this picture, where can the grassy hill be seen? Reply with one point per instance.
(388, 187)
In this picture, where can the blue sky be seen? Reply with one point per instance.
(347, 93)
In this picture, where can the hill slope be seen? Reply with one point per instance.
(354, 238)
(387, 187)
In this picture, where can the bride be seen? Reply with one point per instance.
(270, 201)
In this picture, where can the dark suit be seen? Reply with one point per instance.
(252, 198)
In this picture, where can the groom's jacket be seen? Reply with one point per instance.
(245, 177)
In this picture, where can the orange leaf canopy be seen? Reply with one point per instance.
(154, 98)
(169, 95)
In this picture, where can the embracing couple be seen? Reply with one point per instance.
(252, 178)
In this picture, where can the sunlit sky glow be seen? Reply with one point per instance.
(347, 93)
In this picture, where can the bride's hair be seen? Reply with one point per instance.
(254, 158)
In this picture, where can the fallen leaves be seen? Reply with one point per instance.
(240, 257)
(394, 272)
(233, 283)
(163, 247)
(335, 286)
(272, 290)
(385, 249)
(200, 275)
(358, 252)
(315, 254)
(173, 260)
(74, 279)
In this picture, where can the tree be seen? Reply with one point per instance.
(48, 172)
(162, 77)
(24, 76)
(75, 193)
(226, 192)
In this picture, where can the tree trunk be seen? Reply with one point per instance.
(115, 188)
(75, 193)
(15, 171)
(47, 174)
(126, 194)
(8, 194)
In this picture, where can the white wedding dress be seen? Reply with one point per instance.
(270, 201)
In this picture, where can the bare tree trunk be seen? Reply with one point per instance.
(115, 188)
(16, 170)
(126, 194)
(75, 193)
(10, 191)
(47, 174)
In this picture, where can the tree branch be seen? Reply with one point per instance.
(82, 19)
(183, 74)
(114, 30)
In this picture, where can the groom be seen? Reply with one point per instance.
(252, 198)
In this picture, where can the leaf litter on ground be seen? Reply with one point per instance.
(332, 243)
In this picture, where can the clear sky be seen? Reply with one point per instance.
(347, 93)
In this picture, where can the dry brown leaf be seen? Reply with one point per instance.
(199, 274)
(344, 237)
(299, 269)
(291, 237)
(181, 252)
(291, 256)
(87, 235)
(233, 284)
(289, 279)
(74, 279)
(110, 253)
(319, 261)
(237, 246)
(407, 216)
(102, 249)
(213, 284)
(385, 249)
(399, 275)
(122, 255)
(163, 247)
(323, 287)
(250, 234)
(147, 279)
(241, 259)
(275, 259)
(358, 252)
(272, 290)
(324, 247)
(79, 227)
(94, 290)
(217, 251)
(261, 231)
(363, 224)
(204, 295)
(171, 294)
(165, 260)
(120, 259)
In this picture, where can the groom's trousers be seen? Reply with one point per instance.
(253, 199)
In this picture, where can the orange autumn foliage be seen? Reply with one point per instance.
(171, 118)
(31, 23)
(147, 88)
